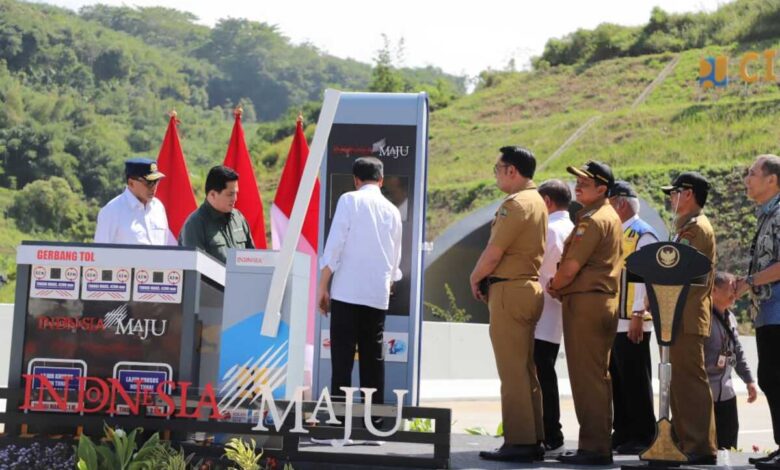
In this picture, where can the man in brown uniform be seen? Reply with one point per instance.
(587, 283)
(691, 399)
(506, 276)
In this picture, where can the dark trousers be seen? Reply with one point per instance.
(632, 390)
(726, 423)
(768, 345)
(545, 354)
(358, 326)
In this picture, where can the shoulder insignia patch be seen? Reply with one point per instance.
(685, 238)
(580, 230)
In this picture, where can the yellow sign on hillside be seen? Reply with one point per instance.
(753, 67)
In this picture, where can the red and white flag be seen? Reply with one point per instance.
(175, 190)
(281, 210)
(248, 202)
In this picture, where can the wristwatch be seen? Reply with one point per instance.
(750, 280)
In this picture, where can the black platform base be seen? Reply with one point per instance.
(657, 465)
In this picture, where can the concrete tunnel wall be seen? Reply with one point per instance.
(457, 249)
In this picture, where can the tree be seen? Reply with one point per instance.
(52, 206)
(385, 77)
(28, 153)
(111, 64)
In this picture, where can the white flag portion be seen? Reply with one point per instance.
(300, 208)
(281, 210)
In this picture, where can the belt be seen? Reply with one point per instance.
(494, 280)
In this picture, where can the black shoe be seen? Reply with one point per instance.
(631, 448)
(771, 458)
(617, 440)
(702, 460)
(525, 453)
(770, 462)
(585, 457)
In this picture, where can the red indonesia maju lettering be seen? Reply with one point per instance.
(105, 395)
(90, 324)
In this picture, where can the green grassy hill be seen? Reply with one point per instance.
(678, 127)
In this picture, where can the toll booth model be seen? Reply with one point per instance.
(129, 312)
(250, 361)
(394, 128)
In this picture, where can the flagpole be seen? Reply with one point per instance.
(292, 235)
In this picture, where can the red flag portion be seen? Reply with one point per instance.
(175, 190)
(281, 211)
(249, 202)
(288, 188)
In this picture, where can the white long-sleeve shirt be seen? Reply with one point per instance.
(363, 248)
(550, 326)
(125, 220)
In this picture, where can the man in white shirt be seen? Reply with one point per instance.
(136, 217)
(630, 365)
(362, 255)
(549, 329)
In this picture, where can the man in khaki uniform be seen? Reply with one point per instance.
(587, 283)
(691, 399)
(506, 276)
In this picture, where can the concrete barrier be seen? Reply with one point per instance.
(458, 363)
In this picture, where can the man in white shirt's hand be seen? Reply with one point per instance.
(362, 257)
(136, 217)
(323, 295)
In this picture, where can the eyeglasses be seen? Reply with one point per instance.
(149, 184)
(499, 165)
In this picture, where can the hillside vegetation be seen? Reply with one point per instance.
(738, 22)
(79, 92)
(679, 126)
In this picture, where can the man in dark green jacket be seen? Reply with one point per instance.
(217, 225)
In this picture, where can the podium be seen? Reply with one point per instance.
(133, 313)
(668, 270)
(248, 360)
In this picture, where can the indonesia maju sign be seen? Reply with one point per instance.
(94, 395)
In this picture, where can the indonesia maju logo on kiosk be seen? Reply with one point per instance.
(116, 319)
(667, 256)
(381, 149)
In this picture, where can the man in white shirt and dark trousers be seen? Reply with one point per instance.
(549, 329)
(136, 217)
(630, 365)
(362, 255)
